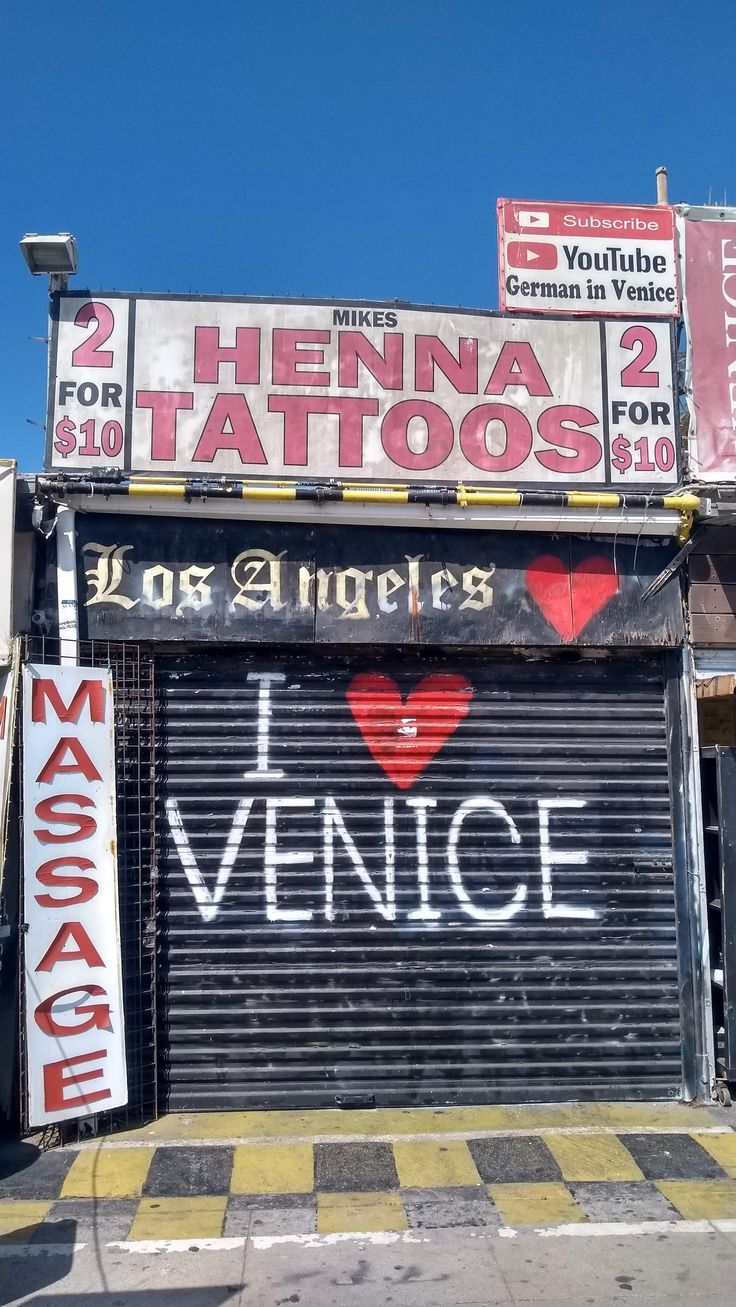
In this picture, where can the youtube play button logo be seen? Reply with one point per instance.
(531, 254)
(532, 218)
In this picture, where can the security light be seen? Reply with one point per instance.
(55, 256)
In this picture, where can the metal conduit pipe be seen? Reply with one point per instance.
(66, 586)
(460, 494)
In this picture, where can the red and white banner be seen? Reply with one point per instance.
(708, 257)
(389, 393)
(7, 527)
(8, 685)
(75, 1036)
(607, 259)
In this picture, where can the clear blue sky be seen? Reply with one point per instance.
(332, 147)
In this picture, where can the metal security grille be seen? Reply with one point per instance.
(416, 878)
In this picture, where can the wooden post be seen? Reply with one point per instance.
(661, 175)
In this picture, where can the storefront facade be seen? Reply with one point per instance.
(404, 770)
(416, 818)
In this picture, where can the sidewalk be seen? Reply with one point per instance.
(300, 1174)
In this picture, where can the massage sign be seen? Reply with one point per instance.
(74, 1008)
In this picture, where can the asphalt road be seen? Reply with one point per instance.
(434, 1268)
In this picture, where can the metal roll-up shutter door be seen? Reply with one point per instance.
(521, 809)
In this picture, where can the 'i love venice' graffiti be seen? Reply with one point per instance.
(397, 739)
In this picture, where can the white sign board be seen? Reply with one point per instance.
(75, 1035)
(7, 527)
(304, 390)
(606, 259)
(8, 678)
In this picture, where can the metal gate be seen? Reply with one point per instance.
(414, 878)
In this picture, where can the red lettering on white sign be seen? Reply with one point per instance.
(210, 354)
(517, 366)
(56, 1083)
(97, 1014)
(90, 692)
(48, 876)
(57, 951)
(46, 811)
(55, 767)
(72, 928)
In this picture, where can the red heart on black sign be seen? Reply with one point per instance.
(404, 736)
(570, 599)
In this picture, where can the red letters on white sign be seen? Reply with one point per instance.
(74, 1010)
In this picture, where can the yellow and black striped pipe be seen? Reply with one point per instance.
(369, 492)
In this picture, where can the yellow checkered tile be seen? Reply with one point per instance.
(535, 1204)
(19, 1221)
(701, 1200)
(273, 1169)
(106, 1172)
(434, 1164)
(179, 1218)
(360, 1213)
(592, 1157)
(722, 1149)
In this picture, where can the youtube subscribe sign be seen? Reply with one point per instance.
(581, 258)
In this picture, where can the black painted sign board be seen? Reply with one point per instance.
(153, 579)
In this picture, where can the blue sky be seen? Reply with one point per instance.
(332, 148)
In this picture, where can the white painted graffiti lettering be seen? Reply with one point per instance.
(259, 578)
(197, 595)
(208, 903)
(387, 583)
(275, 858)
(306, 582)
(563, 857)
(424, 912)
(106, 576)
(442, 581)
(483, 803)
(258, 572)
(265, 680)
(332, 822)
(350, 584)
(475, 585)
(336, 839)
(158, 587)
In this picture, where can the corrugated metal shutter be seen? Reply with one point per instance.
(548, 967)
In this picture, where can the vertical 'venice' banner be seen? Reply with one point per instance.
(708, 252)
(8, 683)
(7, 521)
(74, 1007)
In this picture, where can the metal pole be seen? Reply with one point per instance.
(66, 586)
(692, 907)
(661, 176)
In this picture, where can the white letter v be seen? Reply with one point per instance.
(208, 904)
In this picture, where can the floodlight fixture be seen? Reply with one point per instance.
(53, 256)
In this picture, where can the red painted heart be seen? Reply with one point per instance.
(570, 599)
(404, 737)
